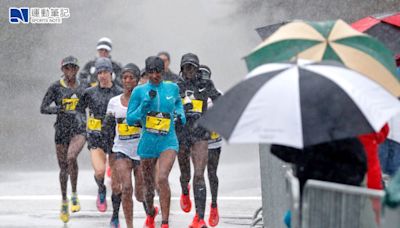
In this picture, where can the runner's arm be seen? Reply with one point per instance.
(179, 107)
(49, 98)
(109, 123)
(136, 107)
(81, 109)
(213, 92)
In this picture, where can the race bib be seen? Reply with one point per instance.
(70, 103)
(214, 135)
(94, 124)
(197, 106)
(158, 123)
(127, 132)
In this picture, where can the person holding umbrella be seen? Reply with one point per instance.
(195, 93)
(154, 105)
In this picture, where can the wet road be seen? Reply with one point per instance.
(32, 199)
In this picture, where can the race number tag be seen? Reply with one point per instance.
(70, 103)
(197, 105)
(127, 132)
(158, 123)
(214, 135)
(94, 124)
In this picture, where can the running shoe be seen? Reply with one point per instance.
(214, 216)
(195, 222)
(75, 205)
(149, 223)
(186, 203)
(64, 214)
(201, 224)
(114, 223)
(164, 226)
(101, 202)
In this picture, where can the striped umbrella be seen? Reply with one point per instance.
(300, 104)
(330, 40)
(385, 27)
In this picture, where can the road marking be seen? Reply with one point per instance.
(93, 197)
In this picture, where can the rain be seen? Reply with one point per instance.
(220, 32)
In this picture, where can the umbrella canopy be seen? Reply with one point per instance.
(384, 27)
(300, 104)
(330, 40)
(265, 31)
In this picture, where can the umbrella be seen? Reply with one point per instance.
(329, 40)
(265, 31)
(384, 27)
(300, 104)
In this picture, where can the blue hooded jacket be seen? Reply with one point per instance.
(167, 101)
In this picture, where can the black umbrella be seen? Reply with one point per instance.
(300, 104)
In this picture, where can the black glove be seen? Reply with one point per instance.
(81, 119)
(187, 107)
(193, 115)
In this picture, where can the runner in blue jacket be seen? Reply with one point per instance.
(156, 105)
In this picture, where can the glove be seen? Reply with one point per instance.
(81, 119)
(187, 107)
(193, 115)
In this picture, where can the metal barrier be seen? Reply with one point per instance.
(391, 218)
(332, 205)
(274, 200)
(293, 191)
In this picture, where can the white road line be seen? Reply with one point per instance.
(93, 197)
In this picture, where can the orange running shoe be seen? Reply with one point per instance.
(195, 222)
(201, 224)
(186, 203)
(214, 216)
(149, 223)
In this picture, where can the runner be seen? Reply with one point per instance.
(124, 158)
(88, 74)
(154, 105)
(69, 137)
(214, 151)
(195, 92)
(96, 99)
(167, 75)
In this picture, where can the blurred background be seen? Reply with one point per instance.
(221, 32)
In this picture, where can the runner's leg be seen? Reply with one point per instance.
(199, 159)
(61, 150)
(75, 147)
(166, 161)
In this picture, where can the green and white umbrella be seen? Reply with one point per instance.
(330, 40)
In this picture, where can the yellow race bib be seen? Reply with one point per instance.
(94, 124)
(70, 103)
(214, 135)
(158, 124)
(127, 132)
(197, 106)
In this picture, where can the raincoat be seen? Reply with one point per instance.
(370, 143)
(156, 115)
(341, 161)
